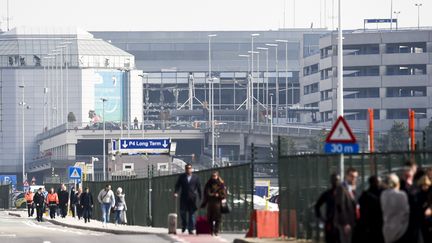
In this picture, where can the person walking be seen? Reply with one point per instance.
(52, 201)
(73, 201)
(395, 210)
(327, 199)
(120, 207)
(86, 204)
(424, 199)
(189, 187)
(63, 197)
(39, 202)
(346, 206)
(29, 200)
(369, 227)
(407, 184)
(136, 123)
(214, 193)
(78, 197)
(107, 200)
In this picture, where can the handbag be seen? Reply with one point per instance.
(225, 207)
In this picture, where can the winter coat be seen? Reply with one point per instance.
(63, 197)
(86, 200)
(190, 190)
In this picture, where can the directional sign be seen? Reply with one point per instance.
(341, 148)
(142, 144)
(74, 172)
(341, 132)
(379, 21)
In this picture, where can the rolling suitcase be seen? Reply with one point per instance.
(202, 225)
(172, 221)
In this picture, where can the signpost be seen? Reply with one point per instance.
(74, 173)
(341, 139)
(144, 145)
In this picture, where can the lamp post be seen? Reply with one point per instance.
(247, 86)
(211, 96)
(145, 103)
(67, 56)
(277, 78)
(103, 146)
(93, 159)
(340, 101)
(271, 119)
(266, 84)
(418, 5)
(397, 20)
(286, 80)
(251, 100)
(23, 104)
(258, 87)
(212, 122)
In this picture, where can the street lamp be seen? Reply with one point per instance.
(418, 5)
(258, 86)
(340, 99)
(253, 36)
(277, 78)
(266, 74)
(397, 20)
(145, 102)
(211, 94)
(103, 150)
(94, 159)
(271, 119)
(286, 80)
(212, 122)
(24, 106)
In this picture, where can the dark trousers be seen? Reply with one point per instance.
(52, 210)
(187, 220)
(80, 211)
(72, 209)
(86, 213)
(63, 210)
(30, 209)
(214, 216)
(39, 213)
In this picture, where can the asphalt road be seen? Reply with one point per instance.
(25, 230)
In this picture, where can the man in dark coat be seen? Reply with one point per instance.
(327, 198)
(39, 202)
(73, 201)
(63, 196)
(190, 187)
(407, 184)
(86, 204)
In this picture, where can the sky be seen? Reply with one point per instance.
(183, 15)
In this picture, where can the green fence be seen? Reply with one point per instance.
(303, 178)
(4, 196)
(154, 212)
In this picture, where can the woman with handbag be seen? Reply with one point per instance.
(120, 207)
(214, 194)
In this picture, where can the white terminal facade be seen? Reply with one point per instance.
(58, 71)
(389, 71)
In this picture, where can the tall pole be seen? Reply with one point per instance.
(271, 119)
(211, 98)
(103, 145)
(61, 86)
(286, 77)
(251, 98)
(213, 124)
(23, 104)
(340, 102)
(418, 5)
(277, 78)
(7, 15)
(391, 14)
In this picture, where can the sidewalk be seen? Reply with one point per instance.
(255, 240)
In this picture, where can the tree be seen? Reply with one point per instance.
(396, 139)
(71, 117)
(428, 138)
(316, 143)
(288, 146)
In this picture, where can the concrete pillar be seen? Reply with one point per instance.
(382, 48)
(429, 46)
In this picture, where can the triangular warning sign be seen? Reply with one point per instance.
(75, 174)
(341, 132)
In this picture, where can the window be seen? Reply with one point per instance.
(403, 113)
(361, 49)
(361, 71)
(360, 114)
(312, 88)
(406, 70)
(309, 70)
(326, 94)
(128, 166)
(326, 73)
(326, 52)
(359, 93)
(411, 47)
(406, 91)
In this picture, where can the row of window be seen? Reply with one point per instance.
(366, 71)
(362, 114)
(370, 49)
(360, 93)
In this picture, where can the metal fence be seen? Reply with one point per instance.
(5, 196)
(152, 209)
(303, 178)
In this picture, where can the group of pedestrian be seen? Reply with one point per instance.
(398, 210)
(213, 195)
(113, 202)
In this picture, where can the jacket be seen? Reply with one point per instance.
(106, 197)
(396, 213)
(345, 207)
(39, 199)
(63, 197)
(190, 190)
(52, 198)
(29, 197)
(86, 200)
(120, 202)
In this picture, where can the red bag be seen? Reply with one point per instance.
(202, 225)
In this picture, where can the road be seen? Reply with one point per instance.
(28, 230)
(14, 229)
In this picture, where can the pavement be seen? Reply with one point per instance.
(73, 226)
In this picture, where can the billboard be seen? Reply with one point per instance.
(109, 85)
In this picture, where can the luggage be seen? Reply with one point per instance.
(172, 223)
(202, 225)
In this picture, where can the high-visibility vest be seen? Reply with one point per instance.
(52, 198)
(29, 197)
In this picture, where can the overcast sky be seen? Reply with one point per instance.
(205, 14)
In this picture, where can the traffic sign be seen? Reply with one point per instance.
(341, 148)
(74, 172)
(143, 144)
(341, 132)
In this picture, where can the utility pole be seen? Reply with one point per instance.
(340, 101)
(103, 146)
(418, 5)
